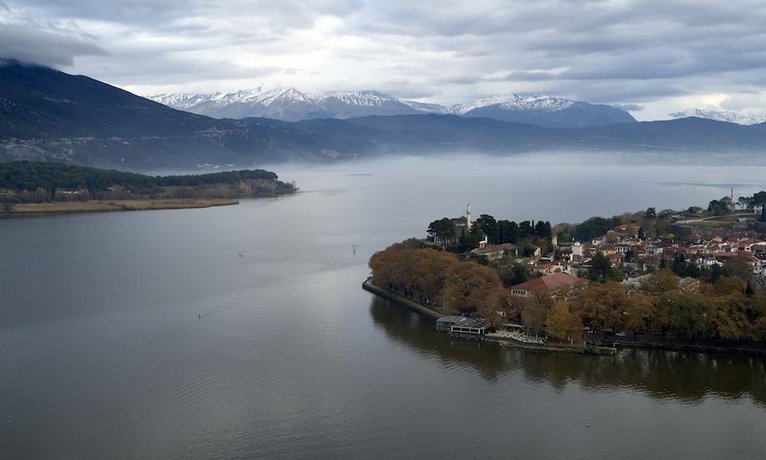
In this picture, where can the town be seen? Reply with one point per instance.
(694, 278)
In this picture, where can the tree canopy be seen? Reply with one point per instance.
(31, 176)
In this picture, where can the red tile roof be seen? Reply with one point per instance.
(549, 282)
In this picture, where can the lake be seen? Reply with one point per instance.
(243, 331)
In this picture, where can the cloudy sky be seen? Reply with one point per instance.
(652, 57)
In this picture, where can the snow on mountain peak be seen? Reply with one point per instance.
(515, 102)
(360, 98)
(740, 118)
(290, 104)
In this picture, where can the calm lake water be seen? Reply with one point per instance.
(146, 335)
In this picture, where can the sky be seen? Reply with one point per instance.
(653, 58)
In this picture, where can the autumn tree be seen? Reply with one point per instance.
(759, 317)
(683, 313)
(467, 287)
(495, 308)
(560, 323)
(662, 281)
(728, 317)
(602, 306)
(639, 312)
(534, 309)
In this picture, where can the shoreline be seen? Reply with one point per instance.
(590, 349)
(77, 207)
(617, 343)
(700, 347)
(369, 287)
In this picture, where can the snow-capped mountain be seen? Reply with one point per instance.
(290, 104)
(541, 110)
(515, 102)
(740, 118)
(287, 104)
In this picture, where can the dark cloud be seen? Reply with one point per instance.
(50, 47)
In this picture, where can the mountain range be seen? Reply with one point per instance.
(46, 114)
(740, 118)
(289, 104)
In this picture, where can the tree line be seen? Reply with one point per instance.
(439, 280)
(28, 181)
(525, 233)
(664, 304)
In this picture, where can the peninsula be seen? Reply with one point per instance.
(689, 279)
(34, 188)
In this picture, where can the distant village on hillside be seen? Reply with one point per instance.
(691, 279)
(690, 242)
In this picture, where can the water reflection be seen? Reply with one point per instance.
(418, 332)
(663, 375)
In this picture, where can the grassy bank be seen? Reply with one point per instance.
(66, 207)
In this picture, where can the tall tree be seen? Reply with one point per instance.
(738, 267)
(558, 321)
(443, 229)
(662, 281)
(488, 225)
(600, 268)
(718, 207)
(601, 306)
(525, 229)
(543, 229)
(639, 310)
(468, 286)
(508, 231)
(534, 310)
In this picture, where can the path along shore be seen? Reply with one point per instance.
(647, 341)
(501, 340)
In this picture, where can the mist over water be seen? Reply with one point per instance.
(559, 187)
(145, 334)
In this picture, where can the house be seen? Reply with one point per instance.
(496, 251)
(577, 249)
(461, 325)
(549, 282)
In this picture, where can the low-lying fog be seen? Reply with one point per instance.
(556, 187)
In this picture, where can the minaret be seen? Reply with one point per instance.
(468, 222)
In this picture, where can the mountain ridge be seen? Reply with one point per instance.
(49, 115)
(745, 118)
(290, 104)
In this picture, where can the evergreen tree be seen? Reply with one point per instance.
(601, 268)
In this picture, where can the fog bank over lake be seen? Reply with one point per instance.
(558, 187)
